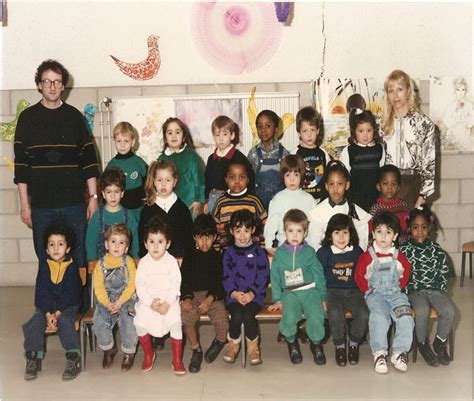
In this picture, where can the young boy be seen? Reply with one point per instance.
(112, 183)
(133, 166)
(308, 122)
(388, 185)
(381, 273)
(298, 284)
(202, 292)
(291, 172)
(57, 301)
(114, 287)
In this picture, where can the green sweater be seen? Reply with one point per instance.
(304, 257)
(429, 267)
(190, 187)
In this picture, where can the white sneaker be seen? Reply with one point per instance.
(380, 363)
(400, 361)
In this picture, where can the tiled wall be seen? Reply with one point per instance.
(454, 206)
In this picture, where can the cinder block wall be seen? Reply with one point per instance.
(454, 205)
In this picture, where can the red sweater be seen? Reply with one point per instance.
(364, 268)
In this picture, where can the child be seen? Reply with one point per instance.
(339, 255)
(133, 166)
(202, 292)
(179, 149)
(158, 282)
(236, 198)
(428, 286)
(291, 172)
(163, 202)
(381, 273)
(226, 135)
(265, 157)
(388, 184)
(298, 285)
(57, 300)
(363, 157)
(337, 182)
(114, 287)
(246, 271)
(308, 123)
(112, 183)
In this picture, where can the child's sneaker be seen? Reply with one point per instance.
(353, 354)
(318, 353)
(400, 361)
(196, 360)
(214, 350)
(380, 363)
(427, 353)
(73, 366)
(32, 365)
(439, 347)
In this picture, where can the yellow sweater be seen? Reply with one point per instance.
(113, 263)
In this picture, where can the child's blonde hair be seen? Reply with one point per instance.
(387, 114)
(124, 128)
(150, 189)
(226, 122)
(118, 229)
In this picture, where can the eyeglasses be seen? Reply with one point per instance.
(47, 83)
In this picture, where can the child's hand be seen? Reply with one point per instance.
(237, 295)
(325, 306)
(155, 304)
(275, 307)
(91, 266)
(205, 305)
(195, 209)
(187, 305)
(163, 308)
(206, 208)
(271, 251)
(248, 297)
(110, 307)
(51, 322)
(117, 305)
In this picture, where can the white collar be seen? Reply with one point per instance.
(166, 203)
(222, 153)
(239, 194)
(377, 249)
(169, 152)
(369, 145)
(336, 250)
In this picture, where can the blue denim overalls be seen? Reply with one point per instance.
(385, 300)
(267, 177)
(116, 281)
(103, 228)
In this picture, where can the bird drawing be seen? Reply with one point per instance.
(8, 129)
(89, 114)
(145, 69)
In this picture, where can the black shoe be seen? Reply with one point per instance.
(32, 365)
(159, 343)
(196, 360)
(73, 366)
(353, 355)
(302, 335)
(294, 352)
(214, 350)
(427, 353)
(341, 356)
(280, 338)
(440, 348)
(318, 353)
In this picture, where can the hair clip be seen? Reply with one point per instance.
(358, 111)
(419, 207)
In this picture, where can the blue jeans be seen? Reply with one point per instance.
(384, 307)
(34, 329)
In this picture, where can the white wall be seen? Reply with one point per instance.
(363, 40)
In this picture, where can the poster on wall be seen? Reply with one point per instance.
(334, 98)
(451, 110)
(198, 115)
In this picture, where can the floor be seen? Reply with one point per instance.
(275, 379)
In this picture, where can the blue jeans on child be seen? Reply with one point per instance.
(34, 328)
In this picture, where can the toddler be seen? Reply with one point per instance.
(381, 273)
(298, 285)
(246, 271)
(202, 292)
(158, 283)
(339, 255)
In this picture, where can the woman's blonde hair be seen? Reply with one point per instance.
(387, 112)
(150, 189)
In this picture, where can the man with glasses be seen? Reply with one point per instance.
(55, 161)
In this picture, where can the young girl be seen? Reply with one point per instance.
(179, 149)
(410, 139)
(265, 157)
(246, 271)
(339, 255)
(158, 282)
(202, 292)
(114, 287)
(298, 285)
(291, 172)
(163, 202)
(337, 182)
(363, 157)
(226, 135)
(428, 286)
(237, 197)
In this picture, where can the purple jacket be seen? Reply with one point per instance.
(246, 269)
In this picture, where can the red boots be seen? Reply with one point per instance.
(177, 346)
(150, 355)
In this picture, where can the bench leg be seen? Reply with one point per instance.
(463, 267)
(414, 347)
(451, 345)
(83, 345)
(470, 265)
(243, 346)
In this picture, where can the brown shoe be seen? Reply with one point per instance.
(127, 362)
(109, 356)
(232, 350)
(253, 351)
